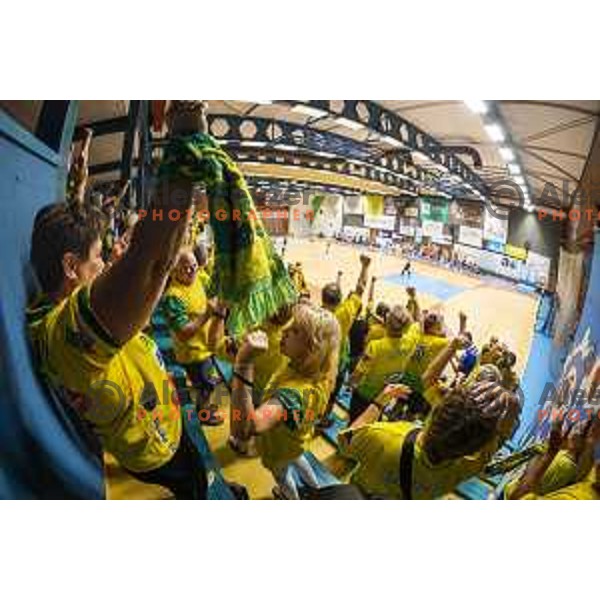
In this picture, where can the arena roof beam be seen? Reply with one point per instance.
(367, 172)
(387, 123)
(268, 134)
(105, 127)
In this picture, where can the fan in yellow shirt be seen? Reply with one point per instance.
(86, 337)
(197, 331)
(295, 397)
(345, 311)
(431, 342)
(272, 360)
(564, 471)
(458, 440)
(383, 358)
(122, 390)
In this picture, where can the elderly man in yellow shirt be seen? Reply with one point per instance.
(197, 329)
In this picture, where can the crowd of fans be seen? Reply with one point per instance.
(429, 407)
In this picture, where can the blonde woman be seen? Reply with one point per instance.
(295, 397)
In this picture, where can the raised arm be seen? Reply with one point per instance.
(79, 170)
(371, 297)
(244, 420)
(439, 363)
(391, 393)
(124, 297)
(531, 479)
(361, 284)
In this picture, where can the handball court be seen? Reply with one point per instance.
(493, 307)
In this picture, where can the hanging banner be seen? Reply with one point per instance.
(495, 229)
(432, 228)
(471, 236)
(435, 209)
(353, 205)
(380, 222)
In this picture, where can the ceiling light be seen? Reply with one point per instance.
(514, 169)
(519, 180)
(251, 143)
(506, 153)
(354, 125)
(392, 141)
(325, 154)
(420, 156)
(309, 110)
(477, 106)
(495, 132)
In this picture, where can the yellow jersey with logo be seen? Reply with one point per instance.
(376, 332)
(182, 304)
(304, 402)
(561, 473)
(376, 450)
(270, 362)
(384, 357)
(428, 347)
(122, 390)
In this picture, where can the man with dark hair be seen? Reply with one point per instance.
(86, 331)
(401, 460)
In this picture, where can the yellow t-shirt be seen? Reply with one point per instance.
(270, 361)
(304, 402)
(385, 357)
(428, 347)
(123, 391)
(182, 304)
(582, 490)
(561, 473)
(204, 278)
(376, 448)
(376, 332)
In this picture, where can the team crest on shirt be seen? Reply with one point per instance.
(79, 339)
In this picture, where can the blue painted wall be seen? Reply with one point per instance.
(42, 452)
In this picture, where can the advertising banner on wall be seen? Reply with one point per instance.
(380, 222)
(515, 252)
(576, 393)
(432, 228)
(353, 205)
(435, 209)
(471, 236)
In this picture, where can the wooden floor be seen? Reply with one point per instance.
(492, 308)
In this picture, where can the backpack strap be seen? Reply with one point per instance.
(407, 455)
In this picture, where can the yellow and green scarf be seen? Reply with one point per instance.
(248, 273)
